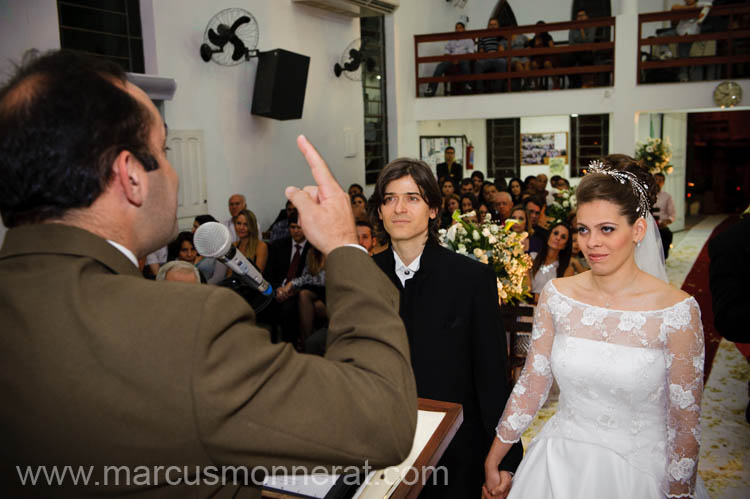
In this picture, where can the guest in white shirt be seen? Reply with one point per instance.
(453, 47)
(664, 213)
(237, 203)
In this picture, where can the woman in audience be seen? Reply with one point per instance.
(448, 189)
(359, 206)
(553, 260)
(450, 204)
(482, 211)
(249, 242)
(577, 261)
(311, 291)
(469, 204)
(518, 213)
(182, 249)
(515, 188)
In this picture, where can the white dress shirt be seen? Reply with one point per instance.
(665, 204)
(406, 272)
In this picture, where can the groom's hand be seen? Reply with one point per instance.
(497, 485)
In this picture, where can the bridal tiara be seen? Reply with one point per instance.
(640, 190)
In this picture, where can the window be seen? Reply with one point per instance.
(373, 89)
(110, 29)
(589, 140)
(504, 148)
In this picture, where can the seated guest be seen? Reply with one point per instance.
(541, 184)
(236, 203)
(503, 205)
(212, 271)
(451, 203)
(553, 180)
(488, 194)
(249, 242)
(581, 58)
(553, 260)
(477, 178)
(468, 203)
(519, 41)
(279, 229)
(467, 186)
(577, 260)
(534, 206)
(491, 44)
(482, 211)
(529, 184)
(664, 213)
(448, 188)
(364, 232)
(309, 288)
(359, 206)
(515, 188)
(182, 248)
(563, 183)
(542, 61)
(453, 47)
(519, 214)
(177, 270)
(355, 189)
(155, 260)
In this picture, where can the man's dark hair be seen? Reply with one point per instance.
(466, 181)
(201, 219)
(364, 223)
(537, 200)
(428, 189)
(64, 118)
(478, 174)
(462, 24)
(450, 148)
(554, 178)
(357, 186)
(293, 218)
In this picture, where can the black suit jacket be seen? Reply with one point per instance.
(729, 276)
(279, 258)
(458, 352)
(456, 172)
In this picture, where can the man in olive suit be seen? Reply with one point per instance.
(171, 384)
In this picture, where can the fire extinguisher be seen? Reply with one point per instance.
(470, 156)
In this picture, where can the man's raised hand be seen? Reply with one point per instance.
(325, 212)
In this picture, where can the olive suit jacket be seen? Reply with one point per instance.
(100, 367)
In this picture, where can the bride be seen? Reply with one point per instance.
(626, 349)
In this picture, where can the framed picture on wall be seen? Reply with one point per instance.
(539, 148)
(432, 148)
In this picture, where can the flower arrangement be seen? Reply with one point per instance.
(564, 204)
(496, 246)
(655, 155)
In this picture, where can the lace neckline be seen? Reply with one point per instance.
(659, 310)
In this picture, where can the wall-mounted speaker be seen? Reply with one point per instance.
(280, 83)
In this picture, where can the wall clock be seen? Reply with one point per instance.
(728, 94)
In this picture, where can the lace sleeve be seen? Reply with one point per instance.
(683, 335)
(533, 385)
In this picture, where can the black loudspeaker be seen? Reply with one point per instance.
(280, 84)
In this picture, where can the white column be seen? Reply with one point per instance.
(624, 118)
(675, 127)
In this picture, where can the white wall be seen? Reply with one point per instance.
(248, 154)
(25, 25)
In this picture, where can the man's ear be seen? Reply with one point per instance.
(129, 174)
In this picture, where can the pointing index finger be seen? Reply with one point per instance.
(320, 171)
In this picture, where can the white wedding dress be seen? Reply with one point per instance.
(628, 419)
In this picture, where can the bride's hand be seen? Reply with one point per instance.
(497, 484)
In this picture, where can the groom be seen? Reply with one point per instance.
(449, 304)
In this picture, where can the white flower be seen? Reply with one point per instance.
(649, 149)
(492, 239)
(565, 194)
(566, 204)
(475, 235)
(461, 249)
(478, 252)
(486, 232)
(541, 364)
(450, 234)
(519, 421)
(682, 398)
(681, 470)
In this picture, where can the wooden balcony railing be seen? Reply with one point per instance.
(603, 49)
(727, 26)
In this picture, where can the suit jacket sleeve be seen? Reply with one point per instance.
(263, 404)
(491, 361)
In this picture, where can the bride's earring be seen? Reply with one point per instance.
(638, 244)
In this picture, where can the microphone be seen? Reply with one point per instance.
(212, 240)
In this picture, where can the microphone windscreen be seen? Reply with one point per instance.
(212, 240)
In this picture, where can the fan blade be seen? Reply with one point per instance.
(239, 48)
(239, 22)
(217, 39)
